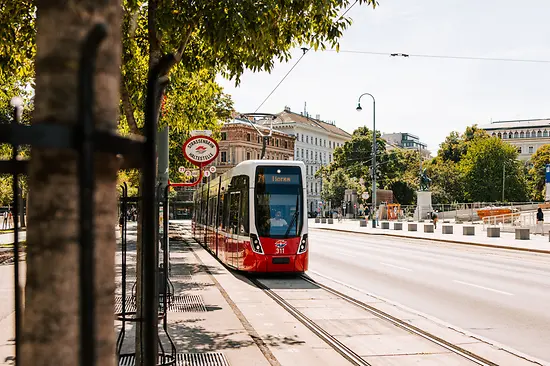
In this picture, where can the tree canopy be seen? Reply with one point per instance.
(537, 172)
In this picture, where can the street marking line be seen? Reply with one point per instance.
(394, 266)
(484, 288)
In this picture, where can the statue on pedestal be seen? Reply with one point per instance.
(425, 181)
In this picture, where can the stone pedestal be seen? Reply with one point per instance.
(423, 204)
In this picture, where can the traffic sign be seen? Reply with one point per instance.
(212, 169)
(200, 150)
(188, 173)
(201, 133)
(207, 173)
(181, 169)
(365, 195)
(195, 173)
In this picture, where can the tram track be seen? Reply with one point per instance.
(345, 351)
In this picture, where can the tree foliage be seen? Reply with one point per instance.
(483, 166)
(537, 171)
(355, 156)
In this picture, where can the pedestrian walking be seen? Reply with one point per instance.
(434, 218)
(5, 221)
(540, 222)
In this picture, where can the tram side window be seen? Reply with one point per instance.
(213, 215)
(220, 212)
(244, 221)
(210, 209)
(226, 212)
(234, 210)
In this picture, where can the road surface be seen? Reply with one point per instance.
(500, 295)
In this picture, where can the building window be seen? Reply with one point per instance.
(302, 153)
(516, 135)
(539, 134)
(521, 135)
(307, 154)
(307, 139)
(286, 144)
(224, 157)
(302, 138)
(297, 136)
(527, 134)
(224, 136)
(530, 149)
(499, 135)
(545, 133)
(316, 141)
(510, 135)
(505, 136)
(248, 137)
(277, 142)
(519, 149)
(247, 156)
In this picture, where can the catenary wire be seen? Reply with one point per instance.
(439, 56)
(305, 50)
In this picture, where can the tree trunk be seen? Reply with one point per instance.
(50, 331)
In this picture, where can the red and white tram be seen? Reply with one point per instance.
(253, 217)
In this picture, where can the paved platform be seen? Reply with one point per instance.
(536, 243)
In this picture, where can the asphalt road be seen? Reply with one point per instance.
(501, 295)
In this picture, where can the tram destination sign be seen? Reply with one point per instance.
(280, 178)
(200, 150)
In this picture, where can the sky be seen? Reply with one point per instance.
(425, 96)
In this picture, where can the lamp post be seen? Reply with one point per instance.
(373, 153)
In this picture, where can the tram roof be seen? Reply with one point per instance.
(249, 166)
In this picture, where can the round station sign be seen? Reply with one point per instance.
(200, 150)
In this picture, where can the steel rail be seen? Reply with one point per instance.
(404, 325)
(338, 346)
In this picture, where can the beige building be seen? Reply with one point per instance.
(240, 141)
(526, 135)
(315, 143)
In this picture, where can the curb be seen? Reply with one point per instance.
(540, 251)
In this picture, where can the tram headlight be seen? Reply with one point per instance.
(303, 244)
(255, 244)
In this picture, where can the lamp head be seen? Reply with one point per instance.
(359, 109)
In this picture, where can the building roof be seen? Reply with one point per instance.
(247, 123)
(526, 123)
(288, 116)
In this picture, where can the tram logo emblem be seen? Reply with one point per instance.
(280, 244)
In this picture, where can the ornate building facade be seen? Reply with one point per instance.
(526, 135)
(240, 141)
(315, 144)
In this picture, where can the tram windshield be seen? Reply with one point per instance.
(278, 201)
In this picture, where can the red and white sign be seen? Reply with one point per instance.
(200, 150)
(207, 173)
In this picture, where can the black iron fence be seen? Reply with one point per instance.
(86, 140)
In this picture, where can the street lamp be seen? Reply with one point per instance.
(359, 109)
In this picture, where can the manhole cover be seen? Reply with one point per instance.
(186, 359)
(187, 303)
